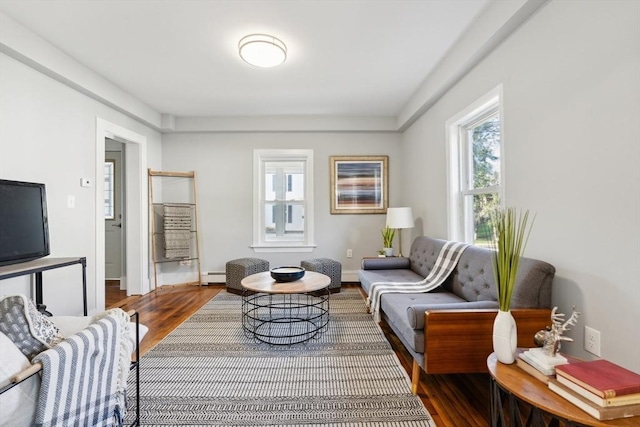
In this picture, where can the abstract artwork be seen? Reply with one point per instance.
(359, 184)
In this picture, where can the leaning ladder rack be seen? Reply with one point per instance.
(157, 259)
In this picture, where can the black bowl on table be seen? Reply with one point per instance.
(287, 274)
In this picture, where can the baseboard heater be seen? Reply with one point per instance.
(214, 277)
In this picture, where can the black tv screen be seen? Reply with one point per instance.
(24, 230)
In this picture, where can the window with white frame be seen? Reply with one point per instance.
(475, 169)
(283, 205)
(109, 189)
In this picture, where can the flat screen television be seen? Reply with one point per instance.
(24, 228)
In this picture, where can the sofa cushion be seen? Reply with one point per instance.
(399, 305)
(415, 313)
(367, 277)
(394, 307)
(424, 253)
(538, 273)
(385, 263)
(18, 405)
(473, 278)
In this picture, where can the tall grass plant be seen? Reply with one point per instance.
(511, 229)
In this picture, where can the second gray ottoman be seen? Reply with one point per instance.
(238, 269)
(326, 266)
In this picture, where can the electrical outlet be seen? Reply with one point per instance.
(592, 340)
(349, 253)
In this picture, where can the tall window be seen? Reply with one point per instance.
(475, 169)
(283, 209)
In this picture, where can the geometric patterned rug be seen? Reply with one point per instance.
(207, 372)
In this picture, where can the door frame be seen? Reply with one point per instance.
(136, 210)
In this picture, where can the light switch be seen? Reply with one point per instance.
(71, 201)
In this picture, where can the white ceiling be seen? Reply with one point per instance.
(351, 58)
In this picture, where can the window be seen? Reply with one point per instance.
(283, 206)
(475, 169)
(109, 189)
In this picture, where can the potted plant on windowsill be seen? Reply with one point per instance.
(510, 229)
(387, 240)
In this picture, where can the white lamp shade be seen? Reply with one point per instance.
(400, 218)
(262, 50)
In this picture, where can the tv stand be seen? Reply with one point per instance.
(37, 266)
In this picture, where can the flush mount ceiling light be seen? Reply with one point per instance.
(262, 50)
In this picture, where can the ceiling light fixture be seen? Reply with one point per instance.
(262, 50)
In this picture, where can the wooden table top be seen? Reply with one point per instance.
(533, 391)
(263, 282)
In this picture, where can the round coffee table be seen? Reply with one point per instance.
(285, 313)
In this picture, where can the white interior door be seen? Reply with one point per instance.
(114, 218)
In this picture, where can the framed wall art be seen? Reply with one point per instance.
(359, 184)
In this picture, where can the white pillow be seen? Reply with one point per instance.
(18, 405)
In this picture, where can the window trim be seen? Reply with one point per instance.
(481, 108)
(260, 156)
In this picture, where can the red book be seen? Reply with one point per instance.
(601, 377)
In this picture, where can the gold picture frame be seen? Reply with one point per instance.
(359, 184)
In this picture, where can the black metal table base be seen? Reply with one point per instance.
(285, 319)
(507, 410)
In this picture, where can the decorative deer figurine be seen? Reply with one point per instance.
(552, 337)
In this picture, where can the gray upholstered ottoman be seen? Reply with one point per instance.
(326, 266)
(238, 269)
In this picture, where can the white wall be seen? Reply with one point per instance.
(224, 166)
(572, 151)
(48, 134)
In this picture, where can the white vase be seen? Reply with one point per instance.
(388, 251)
(505, 337)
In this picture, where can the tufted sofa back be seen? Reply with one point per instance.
(473, 277)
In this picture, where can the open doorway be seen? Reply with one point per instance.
(114, 222)
(135, 271)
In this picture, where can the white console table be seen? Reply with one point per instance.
(37, 266)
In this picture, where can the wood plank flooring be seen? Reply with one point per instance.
(452, 400)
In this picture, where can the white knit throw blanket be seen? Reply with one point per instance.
(82, 377)
(444, 265)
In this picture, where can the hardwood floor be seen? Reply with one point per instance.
(452, 400)
(112, 292)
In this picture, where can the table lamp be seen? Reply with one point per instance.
(399, 218)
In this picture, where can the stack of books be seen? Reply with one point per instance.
(601, 388)
(537, 364)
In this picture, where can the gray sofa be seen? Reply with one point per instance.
(449, 330)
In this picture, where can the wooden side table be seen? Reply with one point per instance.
(516, 388)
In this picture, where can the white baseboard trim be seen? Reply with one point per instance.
(214, 277)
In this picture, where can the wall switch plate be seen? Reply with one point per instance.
(71, 201)
(592, 340)
(349, 253)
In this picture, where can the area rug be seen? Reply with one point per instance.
(207, 372)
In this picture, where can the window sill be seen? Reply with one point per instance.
(283, 248)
